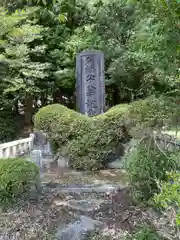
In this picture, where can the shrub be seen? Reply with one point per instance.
(16, 177)
(91, 142)
(169, 198)
(61, 123)
(145, 232)
(152, 113)
(87, 141)
(147, 164)
(8, 126)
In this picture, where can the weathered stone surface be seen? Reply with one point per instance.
(41, 143)
(84, 188)
(62, 162)
(120, 160)
(86, 205)
(90, 87)
(117, 164)
(40, 138)
(78, 229)
(36, 157)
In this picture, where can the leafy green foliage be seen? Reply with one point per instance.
(17, 176)
(146, 165)
(154, 113)
(40, 44)
(138, 46)
(62, 122)
(144, 233)
(169, 199)
(90, 141)
(18, 54)
(9, 127)
(87, 141)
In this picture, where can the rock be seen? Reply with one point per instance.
(83, 188)
(116, 160)
(78, 229)
(41, 143)
(86, 205)
(117, 164)
(62, 162)
(36, 157)
(113, 156)
(40, 138)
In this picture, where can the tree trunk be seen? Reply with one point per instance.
(16, 107)
(116, 96)
(28, 110)
(58, 97)
(71, 13)
(43, 99)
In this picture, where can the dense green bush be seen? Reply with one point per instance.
(152, 113)
(8, 126)
(91, 142)
(61, 123)
(87, 141)
(17, 176)
(168, 199)
(146, 165)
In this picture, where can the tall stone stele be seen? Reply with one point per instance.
(90, 86)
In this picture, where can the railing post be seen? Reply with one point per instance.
(10, 149)
(1, 152)
(14, 150)
(7, 152)
(31, 140)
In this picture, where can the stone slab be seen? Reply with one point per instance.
(78, 229)
(86, 205)
(90, 86)
(84, 188)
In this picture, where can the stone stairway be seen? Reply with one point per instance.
(86, 202)
(72, 205)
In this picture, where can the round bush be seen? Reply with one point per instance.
(61, 123)
(87, 141)
(17, 176)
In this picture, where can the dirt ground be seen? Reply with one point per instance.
(40, 216)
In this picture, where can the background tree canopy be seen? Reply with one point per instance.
(39, 40)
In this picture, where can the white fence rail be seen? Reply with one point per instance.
(15, 148)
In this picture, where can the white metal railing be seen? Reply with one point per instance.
(15, 148)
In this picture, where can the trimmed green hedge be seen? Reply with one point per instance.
(90, 142)
(61, 123)
(17, 176)
(87, 141)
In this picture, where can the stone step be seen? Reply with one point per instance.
(83, 188)
(85, 205)
(78, 229)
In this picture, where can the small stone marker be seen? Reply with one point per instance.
(90, 87)
(36, 157)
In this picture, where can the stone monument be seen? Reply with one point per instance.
(90, 86)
